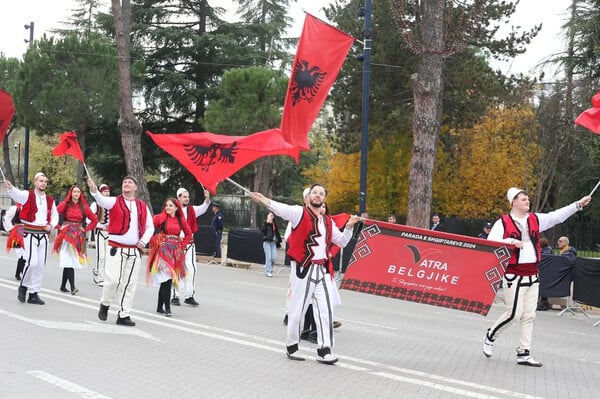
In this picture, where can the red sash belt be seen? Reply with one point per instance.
(30, 228)
(119, 245)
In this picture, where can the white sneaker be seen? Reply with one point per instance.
(327, 359)
(269, 274)
(525, 359)
(488, 346)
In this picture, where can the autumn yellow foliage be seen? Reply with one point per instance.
(471, 176)
(387, 178)
(499, 152)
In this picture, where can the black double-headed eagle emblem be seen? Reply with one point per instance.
(205, 156)
(306, 82)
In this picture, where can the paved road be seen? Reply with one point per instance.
(232, 346)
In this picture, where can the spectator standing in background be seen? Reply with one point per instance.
(436, 223)
(271, 241)
(486, 231)
(218, 223)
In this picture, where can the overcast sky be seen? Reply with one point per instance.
(47, 15)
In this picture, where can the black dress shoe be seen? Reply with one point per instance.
(103, 312)
(285, 319)
(175, 301)
(21, 293)
(125, 321)
(160, 310)
(35, 299)
(293, 356)
(191, 301)
(63, 289)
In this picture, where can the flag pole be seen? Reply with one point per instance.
(597, 184)
(244, 189)
(86, 170)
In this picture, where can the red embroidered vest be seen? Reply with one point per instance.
(30, 208)
(512, 231)
(192, 219)
(302, 240)
(120, 216)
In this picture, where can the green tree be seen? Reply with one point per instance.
(67, 84)
(270, 20)
(435, 30)
(129, 126)
(256, 95)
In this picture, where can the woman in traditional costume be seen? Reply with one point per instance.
(70, 241)
(166, 260)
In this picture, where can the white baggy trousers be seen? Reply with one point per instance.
(310, 289)
(120, 280)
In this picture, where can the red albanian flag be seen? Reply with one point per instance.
(321, 52)
(590, 118)
(7, 110)
(68, 145)
(211, 158)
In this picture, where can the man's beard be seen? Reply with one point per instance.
(315, 204)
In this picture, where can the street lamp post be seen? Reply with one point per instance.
(18, 147)
(26, 155)
(364, 142)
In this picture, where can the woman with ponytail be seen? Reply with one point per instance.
(166, 260)
(70, 241)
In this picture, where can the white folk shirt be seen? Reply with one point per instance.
(41, 216)
(131, 237)
(293, 214)
(528, 253)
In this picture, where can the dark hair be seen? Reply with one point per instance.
(318, 185)
(129, 177)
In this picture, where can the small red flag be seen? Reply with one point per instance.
(68, 145)
(321, 52)
(590, 118)
(7, 110)
(340, 221)
(211, 158)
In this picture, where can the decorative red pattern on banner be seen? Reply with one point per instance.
(427, 266)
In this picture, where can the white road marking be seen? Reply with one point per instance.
(261, 285)
(433, 385)
(88, 326)
(276, 346)
(67, 385)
